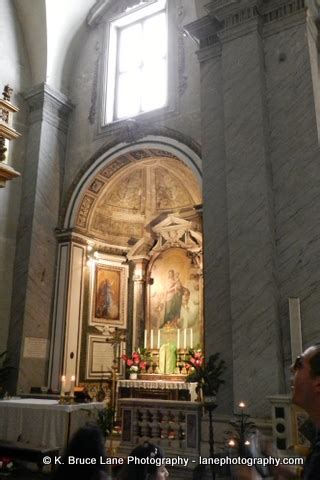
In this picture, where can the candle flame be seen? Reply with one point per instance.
(242, 405)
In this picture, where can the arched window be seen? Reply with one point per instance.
(137, 64)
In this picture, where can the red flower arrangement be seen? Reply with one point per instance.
(136, 362)
(196, 358)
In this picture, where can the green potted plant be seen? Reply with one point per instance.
(207, 374)
(106, 421)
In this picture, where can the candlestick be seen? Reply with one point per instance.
(151, 339)
(185, 338)
(63, 386)
(145, 339)
(191, 337)
(178, 338)
(159, 339)
(73, 379)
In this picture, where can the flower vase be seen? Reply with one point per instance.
(133, 376)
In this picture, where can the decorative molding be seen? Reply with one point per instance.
(94, 91)
(159, 141)
(46, 103)
(182, 77)
(227, 20)
(102, 8)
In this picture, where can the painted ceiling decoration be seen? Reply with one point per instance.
(133, 190)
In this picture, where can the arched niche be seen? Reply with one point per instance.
(112, 217)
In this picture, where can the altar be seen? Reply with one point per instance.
(43, 422)
(157, 389)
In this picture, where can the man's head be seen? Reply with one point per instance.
(306, 380)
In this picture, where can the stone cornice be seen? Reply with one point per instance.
(46, 103)
(229, 19)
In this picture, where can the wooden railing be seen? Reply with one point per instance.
(173, 425)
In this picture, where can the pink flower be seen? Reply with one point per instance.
(129, 362)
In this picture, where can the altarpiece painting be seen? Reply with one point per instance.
(174, 295)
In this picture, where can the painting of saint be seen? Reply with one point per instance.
(107, 296)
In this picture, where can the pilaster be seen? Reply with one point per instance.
(34, 268)
(139, 301)
(240, 254)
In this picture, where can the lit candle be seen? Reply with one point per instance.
(145, 339)
(178, 338)
(73, 379)
(63, 385)
(242, 405)
(185, 338)
(151, 339)
(191, 338)
(159, 339)
(232, 443)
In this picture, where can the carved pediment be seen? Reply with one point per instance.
(176, 232)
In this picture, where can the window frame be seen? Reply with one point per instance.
(108, 90)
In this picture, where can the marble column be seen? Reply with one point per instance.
(34, 267)
(139, 302)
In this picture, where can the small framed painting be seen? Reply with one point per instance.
(109, 294)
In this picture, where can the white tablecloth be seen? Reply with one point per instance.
(160, 385)
(43, 422)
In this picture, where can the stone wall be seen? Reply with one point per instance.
(15, 72)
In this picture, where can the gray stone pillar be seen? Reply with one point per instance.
(257, 358)
(34, 268)
(217, 312)
(241, 296)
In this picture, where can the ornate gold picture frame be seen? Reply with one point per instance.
(109, 291)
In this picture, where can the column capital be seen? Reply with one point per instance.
(46, 103)
(140, 267)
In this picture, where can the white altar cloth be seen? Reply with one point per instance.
(160, 385)
(43, 422)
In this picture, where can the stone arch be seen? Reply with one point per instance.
(117, 158)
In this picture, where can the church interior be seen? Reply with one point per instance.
(160, 206)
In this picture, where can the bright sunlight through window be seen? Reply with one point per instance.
(137, 81)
